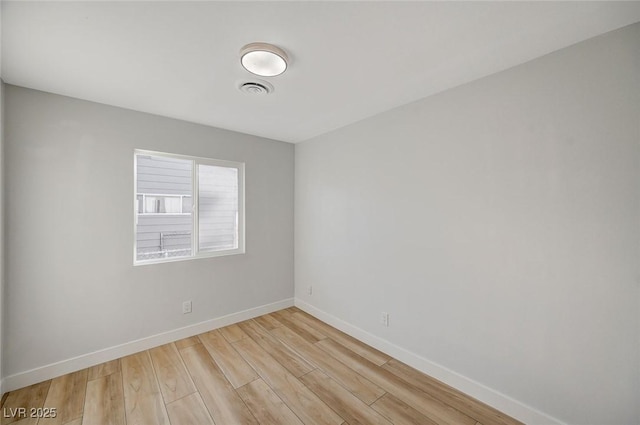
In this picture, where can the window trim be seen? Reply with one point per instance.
(196, 253)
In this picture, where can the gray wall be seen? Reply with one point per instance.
(69, 180)
(498, 224)
(1, 230)
(1, 215)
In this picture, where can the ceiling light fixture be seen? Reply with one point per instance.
(263, 59)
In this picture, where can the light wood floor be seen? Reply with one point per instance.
(282, 368)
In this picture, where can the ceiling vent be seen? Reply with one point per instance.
(256, 87)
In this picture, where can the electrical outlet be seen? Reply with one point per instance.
(310, 290)
(384, 319)
(186, 307)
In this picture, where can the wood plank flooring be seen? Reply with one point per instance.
(278, 369)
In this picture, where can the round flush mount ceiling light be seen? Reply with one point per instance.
(263, 59)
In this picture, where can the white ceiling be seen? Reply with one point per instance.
(350, 60)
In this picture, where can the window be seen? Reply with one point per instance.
(186, 207)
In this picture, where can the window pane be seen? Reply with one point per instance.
(151, 204)
(217, 208)
(159, 232)
(187, 204)
(172, 205)
(139, 206)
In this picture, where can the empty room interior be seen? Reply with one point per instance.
(320, 212)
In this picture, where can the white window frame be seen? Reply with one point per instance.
(196, 253)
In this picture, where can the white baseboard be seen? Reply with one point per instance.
(50, 371)
(493, 398)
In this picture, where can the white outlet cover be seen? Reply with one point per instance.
(186, 307)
